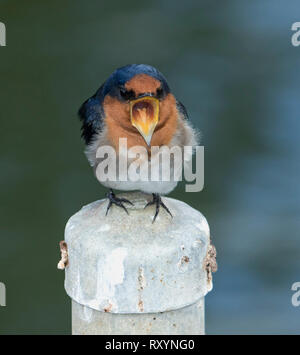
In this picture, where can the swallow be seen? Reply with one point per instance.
(135, 103)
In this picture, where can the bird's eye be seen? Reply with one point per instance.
(126, 94)
(159, 93)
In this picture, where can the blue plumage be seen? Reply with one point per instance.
(120, 76)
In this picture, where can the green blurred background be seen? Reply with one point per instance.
(233, 66)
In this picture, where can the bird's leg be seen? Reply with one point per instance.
(158, 203)
(113, 200)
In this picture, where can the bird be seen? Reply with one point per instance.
(135, 103)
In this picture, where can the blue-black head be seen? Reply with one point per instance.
(135, 98)
(115, 85)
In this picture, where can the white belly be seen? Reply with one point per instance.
(157, 177)
(159, 187)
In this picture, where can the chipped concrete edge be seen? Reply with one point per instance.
(64, 261)
(210, 263)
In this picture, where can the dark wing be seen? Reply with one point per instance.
(181, 108)
(91, 115)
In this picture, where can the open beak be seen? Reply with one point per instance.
(144, 113)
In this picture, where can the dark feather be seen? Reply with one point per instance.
(181, 108)
(91, 114)
(120, 76)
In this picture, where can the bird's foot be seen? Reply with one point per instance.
(113, 200)
(158, 203)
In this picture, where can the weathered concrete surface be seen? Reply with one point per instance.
(185, 321)
(123, 265)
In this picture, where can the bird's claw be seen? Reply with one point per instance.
(113, 200)
(157, 201)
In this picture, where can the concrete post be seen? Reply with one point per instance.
(128, 276)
